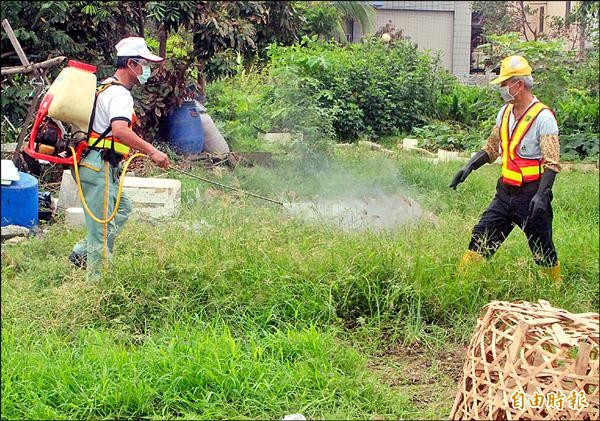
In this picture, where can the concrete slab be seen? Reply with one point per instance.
(369, 145)
(151, 197)
(10, 231)
(408, 143)
(9, 147)
(447, 156)
(75, 217)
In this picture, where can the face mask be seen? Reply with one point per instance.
(505, 93)
(143, 78)
(146, 72)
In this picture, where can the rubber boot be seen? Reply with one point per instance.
(468, 259)
(79, 260)
(553, 272)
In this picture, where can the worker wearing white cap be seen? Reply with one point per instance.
(526, 137)
(110, 138)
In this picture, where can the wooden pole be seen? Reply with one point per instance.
(17, 46)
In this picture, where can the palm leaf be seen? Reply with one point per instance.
(360, 11)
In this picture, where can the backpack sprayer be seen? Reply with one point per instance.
(71, 99)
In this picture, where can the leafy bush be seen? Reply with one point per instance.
(264, 100)
(469, 104)
(451, 135)
(579, 145)
(17, 93)
(240, 103)
(371, 88)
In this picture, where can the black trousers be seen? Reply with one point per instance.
(510, 207)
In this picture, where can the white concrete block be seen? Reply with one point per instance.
(9, 147)
(75, 217)
(446, 156)
(68, 196)
(151, 197)
(408, 143)
(278, 137)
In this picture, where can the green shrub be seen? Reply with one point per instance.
(372, 88)
(452, 136)
(469, 104)
(239, 104)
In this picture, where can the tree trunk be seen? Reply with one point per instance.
(141, 19)
(162, 47)
(582, 30)
(201, 82)
(525, 22)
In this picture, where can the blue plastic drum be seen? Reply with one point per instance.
(20, 202)
(185, 129)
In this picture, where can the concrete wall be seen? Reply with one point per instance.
(438, 25)
(412, 23)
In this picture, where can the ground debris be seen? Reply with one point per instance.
(11, 231)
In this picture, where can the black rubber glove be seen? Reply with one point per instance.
(540, 202)
(479, 159)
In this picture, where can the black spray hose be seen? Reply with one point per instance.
(226, 187)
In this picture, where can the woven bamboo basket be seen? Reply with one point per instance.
(531, 361)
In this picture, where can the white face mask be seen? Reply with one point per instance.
(143, 78)
(505, 93)
(146, 72)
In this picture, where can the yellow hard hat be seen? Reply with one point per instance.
(512, 66)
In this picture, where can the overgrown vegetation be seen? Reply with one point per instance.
(248, 50)
(236, 309)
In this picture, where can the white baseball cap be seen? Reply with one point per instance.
(135, 47)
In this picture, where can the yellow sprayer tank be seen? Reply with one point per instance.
(73, 93)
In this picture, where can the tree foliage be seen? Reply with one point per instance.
(501, 17)
(210, 33)
(327, 19)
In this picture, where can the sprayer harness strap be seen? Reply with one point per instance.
(108, 129)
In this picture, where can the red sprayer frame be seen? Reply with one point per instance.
(43, 113)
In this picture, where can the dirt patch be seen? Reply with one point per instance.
(429, 378)
(417, 359)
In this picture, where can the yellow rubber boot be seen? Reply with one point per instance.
(553, 273)
(468, 259)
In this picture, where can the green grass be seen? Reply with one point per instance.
(257, 314)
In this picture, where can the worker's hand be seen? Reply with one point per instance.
(461, 176)
(160, 158)
(475, 162)
(539, 205)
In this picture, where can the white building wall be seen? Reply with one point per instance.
(437, 25)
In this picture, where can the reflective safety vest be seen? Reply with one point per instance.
(107, 142)
(515, 169)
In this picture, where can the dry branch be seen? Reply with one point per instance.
(30, 68)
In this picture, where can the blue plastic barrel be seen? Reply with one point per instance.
(20, 202)
(185, 129)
